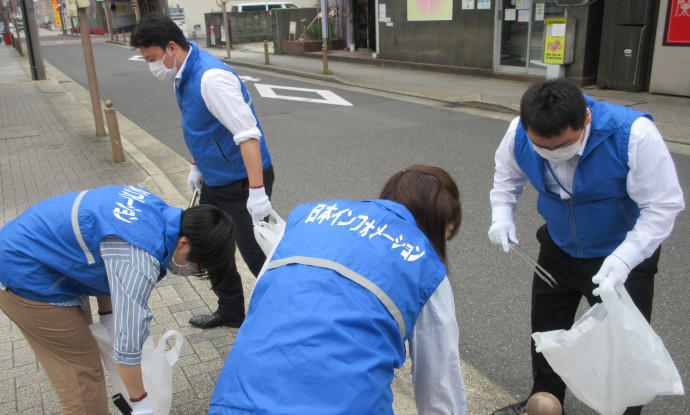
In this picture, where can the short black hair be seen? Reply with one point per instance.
(550, 107)
(210, 233)
(157, 30)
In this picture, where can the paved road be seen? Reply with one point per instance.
(327, 151)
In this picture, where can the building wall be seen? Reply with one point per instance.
(670, 64)
(588, 21)
(244, 27)
(467, 40)
(194, 11)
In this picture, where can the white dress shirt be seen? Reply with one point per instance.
(434, 350)
(221, 91)
(652, 183)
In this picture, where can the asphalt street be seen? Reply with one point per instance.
(324, 151)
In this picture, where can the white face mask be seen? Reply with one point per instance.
(561, 153)
(181, 270)
(160, 71)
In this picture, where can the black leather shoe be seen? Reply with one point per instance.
(209, 321)
(514, 409)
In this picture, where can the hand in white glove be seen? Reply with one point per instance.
(141, 407)
(258, 204)
(613, 269)
(194, 178)
(501, 232)
(108, 322)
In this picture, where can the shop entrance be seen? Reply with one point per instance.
(364, 25)
(519, 35)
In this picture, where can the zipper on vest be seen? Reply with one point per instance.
(572, 226)
(220, 150)
(624, 213)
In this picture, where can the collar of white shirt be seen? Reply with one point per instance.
(178, 76)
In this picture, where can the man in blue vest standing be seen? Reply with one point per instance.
(231, 165)
(114, 243)
(609, 193)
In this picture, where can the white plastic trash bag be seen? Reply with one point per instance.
(156, 367)
(611, 358)
(269, 232)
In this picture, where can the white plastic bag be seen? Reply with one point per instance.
(269, 232)
(156, 367)
(611, 358)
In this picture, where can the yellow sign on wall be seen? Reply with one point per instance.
(419, 10)
(554, 41)
(56, 13)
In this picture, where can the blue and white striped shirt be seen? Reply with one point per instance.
(132, 274)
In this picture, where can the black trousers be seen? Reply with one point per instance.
(555, 308)
(232, 198)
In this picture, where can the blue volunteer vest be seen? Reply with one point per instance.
(328, 318)
(51, 251)
(595, 220)
(211, 144)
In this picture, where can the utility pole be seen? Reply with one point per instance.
(324, 35)
(228, 41)
(137, 13)
(62, 18)
(33, 43)
(108, 25)
(90, 68)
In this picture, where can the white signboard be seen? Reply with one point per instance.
(523, 15)
(538, 12)
(510, 15)
(484, 4)
(468, 4)
(523, 4)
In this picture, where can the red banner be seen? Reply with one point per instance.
(678, 23)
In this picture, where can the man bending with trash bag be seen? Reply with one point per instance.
(111, 242)
(609, 193)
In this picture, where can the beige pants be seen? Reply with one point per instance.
(62, 341)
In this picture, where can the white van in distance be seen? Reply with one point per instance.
(266, 6)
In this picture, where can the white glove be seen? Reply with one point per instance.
(613, 269)
(501, 232)
(258, 204)
(141, 407)
(194, 178)
(108, 322)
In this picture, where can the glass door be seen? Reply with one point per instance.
(519, 35)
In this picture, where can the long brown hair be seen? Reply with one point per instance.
(432, 197)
